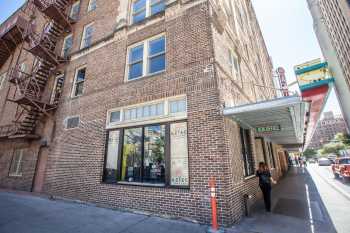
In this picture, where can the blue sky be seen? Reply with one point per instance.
(286, 26)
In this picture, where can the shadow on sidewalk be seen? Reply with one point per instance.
(297, 207)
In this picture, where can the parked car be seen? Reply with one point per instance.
(341, 168)
(312, 161)
(324, 162)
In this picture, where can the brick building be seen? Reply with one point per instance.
(121, 104)
(326, 129)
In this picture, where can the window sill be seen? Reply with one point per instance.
(145, 77)
(146, 185)
(249, 177)
(15, 175)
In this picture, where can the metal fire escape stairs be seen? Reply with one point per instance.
(31, 86)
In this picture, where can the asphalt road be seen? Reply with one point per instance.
(335, 195)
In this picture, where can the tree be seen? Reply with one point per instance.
(332, 148)
(310, 153)
(342, 138)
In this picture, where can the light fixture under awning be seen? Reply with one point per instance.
(281, 120)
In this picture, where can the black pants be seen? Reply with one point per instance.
(266, 190)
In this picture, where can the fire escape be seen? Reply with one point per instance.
(32, 105)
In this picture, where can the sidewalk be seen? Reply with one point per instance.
(296, 208)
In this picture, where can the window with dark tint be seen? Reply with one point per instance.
(140, 155)
(72, 122)
(79, 82)
(247, 154)
(141, 9)
(344, 161)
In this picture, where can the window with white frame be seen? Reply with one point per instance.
(86, 39)
(2, 79)
(92, 5)
(174, 107)
(78, 86)
(141, 9)
(234, 64)
(67, 45)
(146, 58)
(16, 163)
(74, 12)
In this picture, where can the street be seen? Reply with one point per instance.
(335, 194)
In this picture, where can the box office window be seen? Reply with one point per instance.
(152, 154)
(247, 154)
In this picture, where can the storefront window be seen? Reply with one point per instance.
(154, 159)
(132, 155)
(112, 157)
(179, 154)
(144, 152)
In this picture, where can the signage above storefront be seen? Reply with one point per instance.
(268, 129)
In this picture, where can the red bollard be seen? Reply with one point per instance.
(214, 219)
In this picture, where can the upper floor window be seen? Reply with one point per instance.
(146, 58)
(72, 122)
(234, 64)
(86, 39)
(74, 12)
(67, 45)
(141, 9)
(79, 80)
(2, 79)
(92, 5)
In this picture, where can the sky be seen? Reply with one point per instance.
(287, 28)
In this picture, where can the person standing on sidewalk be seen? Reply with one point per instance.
(265, 180)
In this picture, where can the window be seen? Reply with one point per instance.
(67, 45)
(141, 9)
(271, 154)
(146, 58)
(92, 5)
(247, 154)
(79, 80)
(86, 39)
(150, 154)
(57, 89)
(16, 164)
(234, 65)
(72, 122)
(2, 79)
(74, 13)
(173, 108)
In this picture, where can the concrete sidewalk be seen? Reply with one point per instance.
(296, 208)
(20, 213)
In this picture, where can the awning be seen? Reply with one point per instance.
(281, 120)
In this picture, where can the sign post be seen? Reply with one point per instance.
(214, 228)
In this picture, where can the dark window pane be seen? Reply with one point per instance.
(132, 149)
(156, 8)
(81, 75)
(79, 89)
(157, 64)
(112, 157)
(73, 122)
(115, 116)
(139, 5)
(136, 54)
(135, 70)
(139, 16)
(157, 46)
(154, 158)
